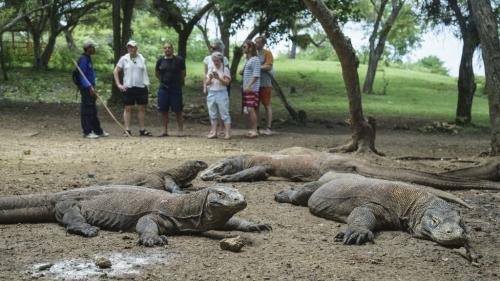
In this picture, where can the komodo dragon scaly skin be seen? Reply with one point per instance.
(312, 166)
(152, 213)
(171, 180)
(368, 205)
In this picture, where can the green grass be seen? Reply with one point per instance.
(319, 89)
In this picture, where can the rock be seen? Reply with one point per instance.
(103, 263)
(232, 244)
(44, 266)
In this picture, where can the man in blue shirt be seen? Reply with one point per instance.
(88, 110)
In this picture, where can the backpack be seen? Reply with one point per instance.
(75, 75)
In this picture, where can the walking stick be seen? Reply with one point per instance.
(99, 98)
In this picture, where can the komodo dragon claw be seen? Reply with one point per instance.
(150, 241)
(356, 236)
(258, 227)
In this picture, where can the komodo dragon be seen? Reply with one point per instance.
(153, 213)
(172, 180)
(312, 165)
(368, 204)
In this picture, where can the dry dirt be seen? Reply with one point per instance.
(41, 150)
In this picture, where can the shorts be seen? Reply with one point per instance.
(265, 95)
(169, 100)
(135, 95)
(250, 99)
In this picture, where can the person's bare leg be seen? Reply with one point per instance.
(269, 115)
(253, 119)
(141, 115)
(164, 118)
(180, 124)
(127, 113)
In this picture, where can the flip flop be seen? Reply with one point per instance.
(163, 135)
(252, 135)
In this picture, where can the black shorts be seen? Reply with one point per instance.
(135, 95)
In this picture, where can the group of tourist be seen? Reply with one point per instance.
(171, 71)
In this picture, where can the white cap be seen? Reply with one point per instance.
(132, 43)
(89, 43)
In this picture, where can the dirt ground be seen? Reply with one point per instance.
(41, 150)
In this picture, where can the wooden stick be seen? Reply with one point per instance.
(99, 98)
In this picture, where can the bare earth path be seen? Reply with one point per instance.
(41, 150)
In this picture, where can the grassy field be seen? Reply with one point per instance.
(319, 90)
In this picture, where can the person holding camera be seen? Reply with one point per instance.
(216, 82)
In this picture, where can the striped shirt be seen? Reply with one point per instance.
(251, 70)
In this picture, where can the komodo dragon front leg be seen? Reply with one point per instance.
(256, 173)
(240, 224)
(151, 229)
(298, 196)
(68, 214)
(171, 186)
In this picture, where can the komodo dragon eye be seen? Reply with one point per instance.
(435, 222)
(221, 194)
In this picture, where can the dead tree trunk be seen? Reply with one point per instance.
(363, 138)
(487, 28)
(283, 99)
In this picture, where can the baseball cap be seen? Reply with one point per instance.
(89, 43)
(132, 43)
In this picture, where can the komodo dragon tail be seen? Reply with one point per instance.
(424, 178)
(26, 208)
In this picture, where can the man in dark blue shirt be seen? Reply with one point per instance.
(88, 110)
(171, 71)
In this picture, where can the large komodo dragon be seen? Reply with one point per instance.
(153, 213)
(311, 165)
(368, 204)
(172, 180)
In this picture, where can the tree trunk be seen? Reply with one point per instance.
(37, 49)
(116, 94)
(363, 138)
(376, 50)
(224, 27)
(127, 10)
(47, 52)
(293, 50)
(466, 84)
(70, 41)
(488, 34)
(182, 44)
(2, 59)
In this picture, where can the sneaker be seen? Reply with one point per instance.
(266, 132)
(104, 134)
(91, 136)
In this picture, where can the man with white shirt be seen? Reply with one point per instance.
(134, 87)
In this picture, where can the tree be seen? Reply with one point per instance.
(182, 18)
(457, 13)
(378, 37)
(64, 15)
(487, 28)
(363, 138)
(9, 19)
(122, 11)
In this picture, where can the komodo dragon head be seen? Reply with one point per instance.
(223, 167)
(222, 198)
(442, 224)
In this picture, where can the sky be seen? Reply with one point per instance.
(440, 42)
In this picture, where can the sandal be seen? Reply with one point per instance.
(163, 135)
(129, 133)
(145, 133)
(212, 135)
